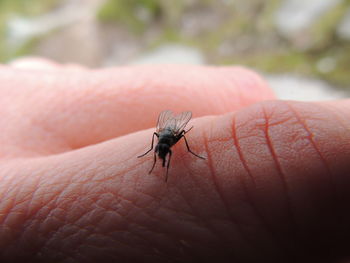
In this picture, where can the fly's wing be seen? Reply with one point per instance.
(180, 121)
(165, 119)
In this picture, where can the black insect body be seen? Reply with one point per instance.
(170, 129)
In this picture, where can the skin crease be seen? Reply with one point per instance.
(274, 185)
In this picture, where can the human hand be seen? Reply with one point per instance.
(274, 185)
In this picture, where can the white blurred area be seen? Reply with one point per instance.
(172, 54)
(302, 13)
(20, 29)
(74, 21)
(291, 87)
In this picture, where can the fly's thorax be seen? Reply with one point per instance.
(166, 136)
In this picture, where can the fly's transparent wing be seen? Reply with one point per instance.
(181, 120)
(165, 119)
(176, 123)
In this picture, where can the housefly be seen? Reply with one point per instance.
(170, 129)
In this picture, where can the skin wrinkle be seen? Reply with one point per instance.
(107, 239)
(133, 204)
(335, 112)
(54, 230)
(35, 227)
(176, 211)
(258, 215)
(12, 205)
(195, 212)
(188, 214)
(153, 197)
(240, 154)
(89, 228)
(251, 127)
(278, 167)
(277, 123)
(124, 247)
(56, 213)
(9, 205)
(52, 201)
(21, 227)
(12, 184)
(221, 236)
(293, 123)
(208, 226)
(108, 254)
(14, 229)
(149, 228)
(176, 241)
(58, 256)
(304, 228)
(331, 199)
(34, 196)
(83, 253)
(219, 191)
(161, 245)
(312, 141)
(146, 213)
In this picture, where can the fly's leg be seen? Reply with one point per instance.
(188, 147)
(167, 166)
(154, 162)
(156, 134)
(184, 132)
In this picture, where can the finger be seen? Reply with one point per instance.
(72, 110)
(33, 63)
(42, 64)
(272, 186)
(288, 161)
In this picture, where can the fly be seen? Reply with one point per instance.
(170, 129)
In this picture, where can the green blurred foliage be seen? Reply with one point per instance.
(28, 7)
(9, 8)
(133, 13)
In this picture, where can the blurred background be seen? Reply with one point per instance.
(301, 46)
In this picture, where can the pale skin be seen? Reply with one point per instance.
(275, 183)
